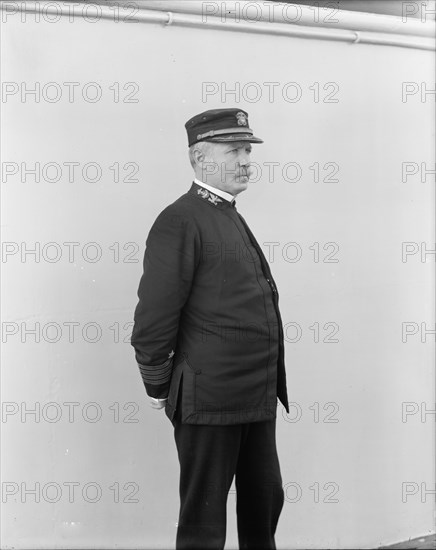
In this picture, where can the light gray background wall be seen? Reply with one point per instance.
(360, 450)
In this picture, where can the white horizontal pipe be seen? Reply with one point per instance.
(295, 14)
(193, 20)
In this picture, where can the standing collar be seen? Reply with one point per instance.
(219, 192)
(200, 191)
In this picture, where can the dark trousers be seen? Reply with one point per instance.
(210, 456)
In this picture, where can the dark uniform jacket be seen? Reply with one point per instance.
(207, 323)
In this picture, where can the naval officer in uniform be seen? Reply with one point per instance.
(208, 340)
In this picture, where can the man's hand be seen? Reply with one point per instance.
(157, 403)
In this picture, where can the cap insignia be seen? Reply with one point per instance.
(241, 118)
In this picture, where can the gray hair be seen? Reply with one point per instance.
(202, 146)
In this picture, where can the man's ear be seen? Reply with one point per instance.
(199, 157)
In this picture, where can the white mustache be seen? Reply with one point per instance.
(247, 171)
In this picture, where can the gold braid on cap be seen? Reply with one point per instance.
(226, 131)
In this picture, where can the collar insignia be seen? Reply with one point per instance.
(206, 194)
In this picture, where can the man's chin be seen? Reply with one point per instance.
(243, 180)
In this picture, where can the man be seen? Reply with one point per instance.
(208, 338)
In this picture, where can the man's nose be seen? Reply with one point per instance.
(245, 159)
